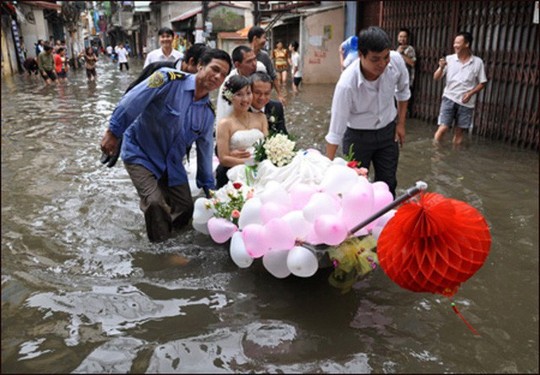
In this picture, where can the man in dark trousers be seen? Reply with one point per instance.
(364, 114)
(261, 87)
(157, 121)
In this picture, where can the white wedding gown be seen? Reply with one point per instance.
(245, 139)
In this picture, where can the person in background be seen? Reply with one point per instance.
(166, 52)
(240, 130)
(281, 63)
(31, 66)
(39, 47)
(188, 64)
(90, 62)
(348, 51)
(60, 64)
(109, 51)
(296, 72)
(45, 62)
(465, 77)
(363, 117)
(122, 55)
(57, 46)
(257, 41)
(261, 88)
(407, 52)
(155, 123)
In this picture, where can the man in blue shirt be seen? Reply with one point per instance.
(348, 51)
(157, 121)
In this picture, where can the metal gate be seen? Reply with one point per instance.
(506, 39)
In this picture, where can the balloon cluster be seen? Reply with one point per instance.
(274, 223)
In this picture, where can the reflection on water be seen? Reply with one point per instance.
(84, 291)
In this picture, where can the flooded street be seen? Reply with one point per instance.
(84, 291)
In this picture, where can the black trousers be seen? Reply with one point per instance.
(378, 147)
(221, 176)
(165, 207)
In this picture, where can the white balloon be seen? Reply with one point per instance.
(195, 191)
(298, 224)
(200, 227)
(339, 161)
(320, 204)
(238, 251)
(376, 232)
(250, 213)
(275, 262)
(280, 235)
(201, 214)
(381, 222)
(339, 179)
(302, 262)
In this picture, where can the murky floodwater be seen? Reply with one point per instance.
(84, 291)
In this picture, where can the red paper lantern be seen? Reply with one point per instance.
(433, 244)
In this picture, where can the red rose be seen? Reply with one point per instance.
(237, 185)
(352, 164)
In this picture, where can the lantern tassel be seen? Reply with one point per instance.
(464, 320)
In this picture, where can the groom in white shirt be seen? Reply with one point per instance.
(364, 114)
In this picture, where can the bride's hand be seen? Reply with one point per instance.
(240, 154)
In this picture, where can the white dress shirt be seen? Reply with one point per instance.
(368, 105)
(463, 77)
(158, 55)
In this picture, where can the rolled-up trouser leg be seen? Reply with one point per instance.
(157, 213)
(181, 202)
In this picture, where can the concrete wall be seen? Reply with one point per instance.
(9, 64)
(322, 34)
(173, 9)
(33, 32)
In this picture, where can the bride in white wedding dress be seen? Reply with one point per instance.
(237, 133)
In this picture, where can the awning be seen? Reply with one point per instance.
(244, 32)
(43, 4)
(186, 15)
(231, 35)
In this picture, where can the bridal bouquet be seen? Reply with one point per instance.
(278, 148)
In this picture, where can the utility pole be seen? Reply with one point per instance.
(256, 13)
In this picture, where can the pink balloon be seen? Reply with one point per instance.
(300, 194)
(221, 230)
(380, 185)
(381, 198)
(280, 235)
(330, 229)
(312, 237)
(357, 204)
(256, 240)
(271, 210)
